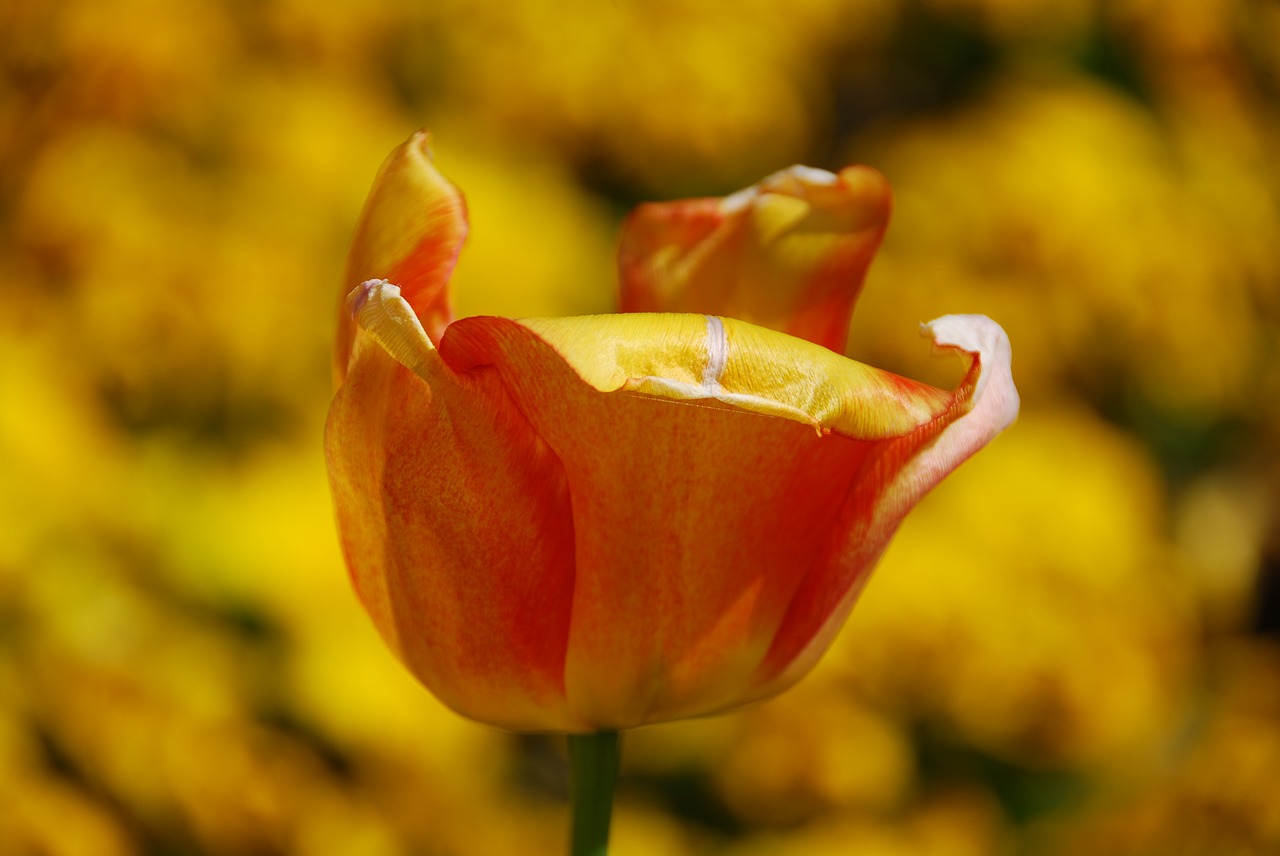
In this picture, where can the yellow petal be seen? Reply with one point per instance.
(706, 358)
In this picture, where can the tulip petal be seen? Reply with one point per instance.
(455, 521)
(876, 506)
(410, 232)
(789, 253)
(709, 462)
(698, 357)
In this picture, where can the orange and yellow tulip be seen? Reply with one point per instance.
(593, 523)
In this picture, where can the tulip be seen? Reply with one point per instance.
(589, 524)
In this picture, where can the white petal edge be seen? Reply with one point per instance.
(793, 180)
(995, 402)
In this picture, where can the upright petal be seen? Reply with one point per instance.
(455, 520)
(708, 461)
(789, 253)
(410, 232)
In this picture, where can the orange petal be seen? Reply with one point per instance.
(710, 466)
(987, 402)
(455, 521)
(410, 232)
(789, 253)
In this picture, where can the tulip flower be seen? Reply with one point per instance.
(589, 524)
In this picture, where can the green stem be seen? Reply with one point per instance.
(593, 770)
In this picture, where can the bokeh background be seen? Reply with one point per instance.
(1072, 646)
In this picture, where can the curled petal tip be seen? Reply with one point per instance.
(972, 333)
(377, 308)
(360, 295)
(987, 340)
(993, 403)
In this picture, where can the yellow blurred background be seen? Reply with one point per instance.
(1073, 646)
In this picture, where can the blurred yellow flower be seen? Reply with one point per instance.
(1006, 647)
(182, 667)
